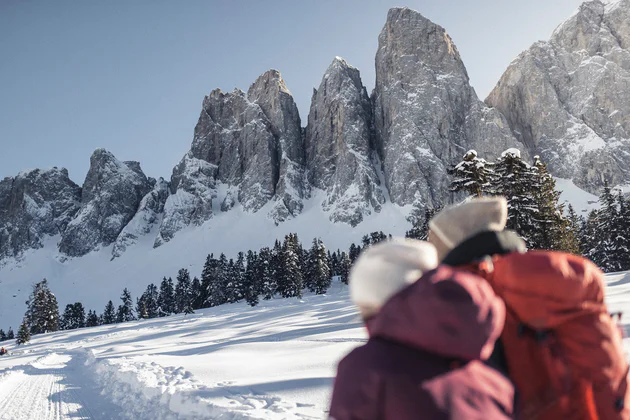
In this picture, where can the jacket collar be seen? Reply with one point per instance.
(484, 244)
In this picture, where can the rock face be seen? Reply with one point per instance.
(149, 215)
(426, 114)
(33, 205)
(250, 142)
(274, 98)
(340, 155)
(111, 194)
(568, 99)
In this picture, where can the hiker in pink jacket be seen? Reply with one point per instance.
(428, 337)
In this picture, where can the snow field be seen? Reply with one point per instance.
(275, 361)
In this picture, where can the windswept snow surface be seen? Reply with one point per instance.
(275, 361)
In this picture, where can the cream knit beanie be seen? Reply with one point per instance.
(386, 268)
(455, 224)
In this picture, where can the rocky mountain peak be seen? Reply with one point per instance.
(426, 115)
(110, 197)
(270, 93)
(568, 99)
(34, 205)
(339, 146)
(411, 34)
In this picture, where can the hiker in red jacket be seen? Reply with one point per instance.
(559, 345)
(429, 331)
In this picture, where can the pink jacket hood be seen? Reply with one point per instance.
(449, 312)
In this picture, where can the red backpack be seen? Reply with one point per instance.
(564, 351)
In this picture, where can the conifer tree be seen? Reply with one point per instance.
(3, 335)
(109, 315)
(42, 314)
(277, 266)
(290, 283)
(65, 321)
(605, 253)
(220, 280)
(588, 236)
(420, 225)
(10, 335)
(166, 298)
(571, 241)
(79, 314)
(73, 317)
(318, 272)
(125, 311)
(354, 252)
(551, 229)
(207, 280)
(237, 277)
(23, 335)
(473, 175)
(197, 294)
(183, 295)
(344, 267)
(268, 284)
(517, 182)
(251, 281)
(150, 298)
(141, 308)
(92, 319)
(621, 239)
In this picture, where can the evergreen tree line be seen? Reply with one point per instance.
(285, 270)
(534, 210)
(604, 236)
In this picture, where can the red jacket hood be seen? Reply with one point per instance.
(448, 312)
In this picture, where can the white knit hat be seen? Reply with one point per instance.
(455, 224)
(386, 268)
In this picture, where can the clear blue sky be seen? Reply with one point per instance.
(130, 76)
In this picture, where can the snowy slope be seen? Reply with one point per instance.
(276, 361)
(95, 278)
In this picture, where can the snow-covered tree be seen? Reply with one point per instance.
(344, 267)
(420, 225)
(317, 278)
(183, 295)
(109, 314)
(150, 298)
(265, 274)
(125, 310)
(517, 182)
(10, 335)
(234, 288)
(3, 335)
(290, 282)
(42, 314)
(23, 335)
(551, 229)
(472, 175)
(73, 317)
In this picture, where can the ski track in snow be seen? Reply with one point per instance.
(53, 387)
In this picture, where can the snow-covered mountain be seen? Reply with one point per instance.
(568, 99)
(362, 163)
